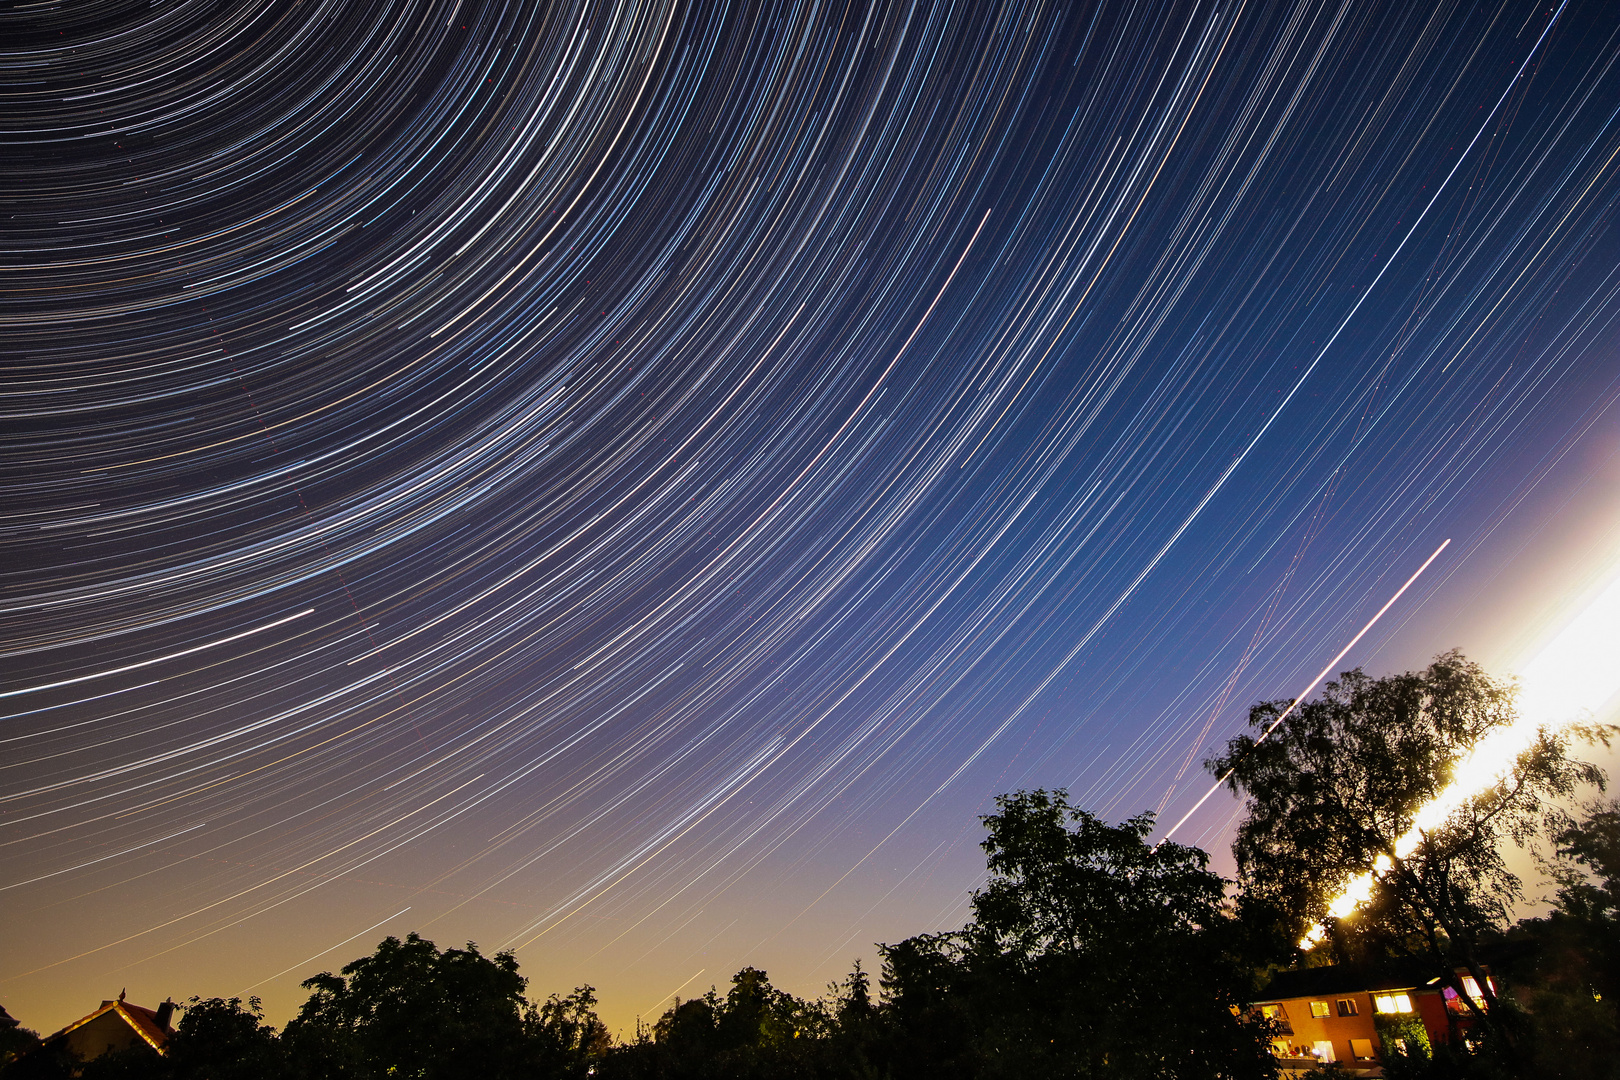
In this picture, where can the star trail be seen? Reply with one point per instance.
(631, 482)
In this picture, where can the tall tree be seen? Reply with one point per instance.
(1090, 954)
(755, 1031)
(565, 1037)
(220, 1039)
(1588, 867)
(412, 1012)
(1565, 967)
(1116, 955)
(1339, 782)
(929, 1020)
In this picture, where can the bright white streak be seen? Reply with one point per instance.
(1319, 677)
(1573, 675)
(157, 659)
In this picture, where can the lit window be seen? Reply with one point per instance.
(1361, 1049)
(1393, 1003)
(1322, 1050)
(1319, 1009)
(1273, 1012)
(1347, 1007)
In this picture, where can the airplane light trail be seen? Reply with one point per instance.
(1331, 664)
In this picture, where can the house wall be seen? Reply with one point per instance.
(1333, 1028)
(1427, 1005)
(1432, 1008)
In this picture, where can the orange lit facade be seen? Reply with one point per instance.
(1344, 1014)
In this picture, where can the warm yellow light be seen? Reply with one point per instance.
(1580, 669)
(1573, 675)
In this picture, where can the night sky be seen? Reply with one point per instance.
(631, 483)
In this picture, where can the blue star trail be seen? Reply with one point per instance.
(630, 482)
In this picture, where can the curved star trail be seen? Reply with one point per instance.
(602, 478)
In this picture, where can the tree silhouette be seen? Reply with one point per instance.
(1090, 954)
(411, 1011)
(1339, 782)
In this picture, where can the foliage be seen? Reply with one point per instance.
(931, 1008)
(564, 1035)
(15, 1039)
(1064, 883)
(1091, 954)
(1588, 871)
(138, 1062)
(1117, 952)
(1407, 1051)
(215, 1039)
(412, 1012)
(1339, 781)
(220, 1039)
(40, 1062)
(1564, 969)
(756, 1030)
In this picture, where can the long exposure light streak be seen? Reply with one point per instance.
(602, 467)
(1571, 678)
(1312, 685)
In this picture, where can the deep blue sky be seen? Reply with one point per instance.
(632, 483)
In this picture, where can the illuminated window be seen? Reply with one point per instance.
(1319, 1009)
(1347, 1007)
(1273, 1012)
(1322, 1050)
(1393, 1003)
(1361, 1049)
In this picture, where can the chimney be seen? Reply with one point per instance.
(165, 1012)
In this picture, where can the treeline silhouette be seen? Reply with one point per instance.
(1089, 952)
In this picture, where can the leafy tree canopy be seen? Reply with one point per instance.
(1588, 871)
(1090, 954)
(1341, 779)
(412, 1012)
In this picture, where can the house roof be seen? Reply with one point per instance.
(142, 1021)
(1347, 979)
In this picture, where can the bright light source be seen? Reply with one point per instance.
(1575, 673)
(1580, 668)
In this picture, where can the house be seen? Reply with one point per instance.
(113, 1026)
(1347, 1013)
